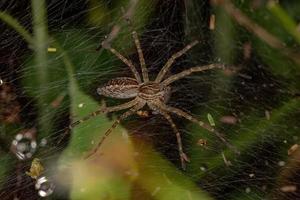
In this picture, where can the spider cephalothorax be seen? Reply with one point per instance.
(155, 94)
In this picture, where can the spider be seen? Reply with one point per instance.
(153, 93)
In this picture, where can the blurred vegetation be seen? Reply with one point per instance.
(257, 39)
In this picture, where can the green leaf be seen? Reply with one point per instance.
(162, 180)
(89, 180)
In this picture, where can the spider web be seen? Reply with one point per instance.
(254, 102)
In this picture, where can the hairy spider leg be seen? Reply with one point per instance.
(141, 57)
(171, 60)
(132, 111)
(97, 112)
(187, 72)
(124, 60)
(200, 123)
(183, 156)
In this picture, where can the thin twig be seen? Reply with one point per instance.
(12, 22)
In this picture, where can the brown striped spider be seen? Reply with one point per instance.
(144, 92)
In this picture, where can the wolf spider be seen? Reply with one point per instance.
(154, 94)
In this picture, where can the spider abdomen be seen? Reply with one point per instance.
(120, 88)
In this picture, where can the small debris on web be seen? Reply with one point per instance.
(202, 142)
(51, 49)
(247, 49)
(212, 22)
(245, 76)
(228, 119)
(248, 190)
(43, 142)
(267, 114)
(281, 163)
(211, 120)
(289, 188)
(36, 169)
(227, 162)
(57, 102)
(80, 105)
(292, 149)
(203, 168)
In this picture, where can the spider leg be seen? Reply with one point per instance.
(124, 60)
(141, 56)
(132, 111)
(94, 114)
(183, 156)
(171, 60)
(187, 72)
(200, 123)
